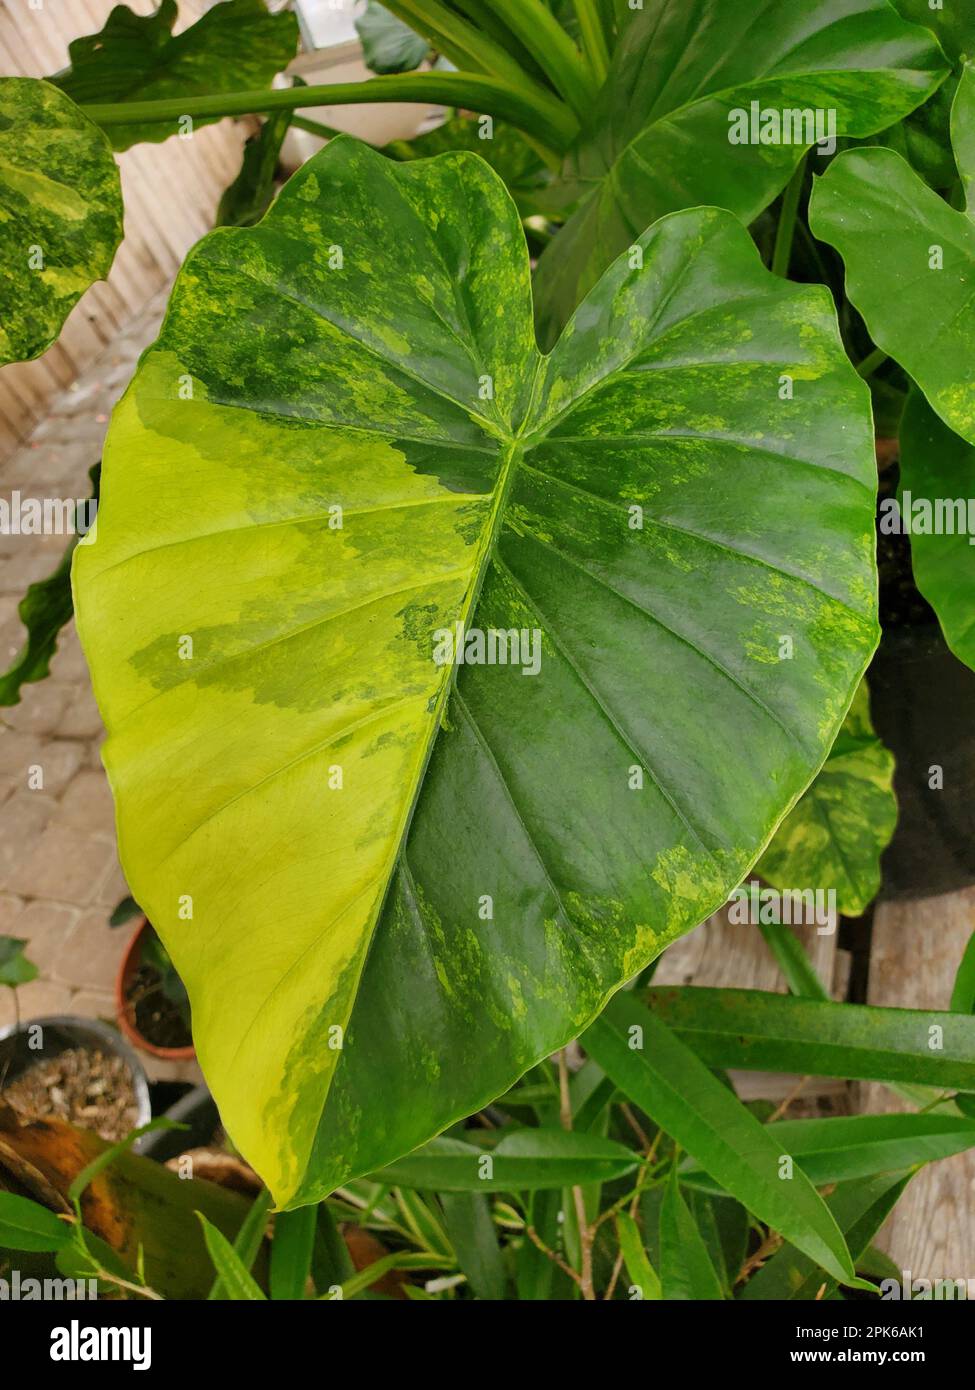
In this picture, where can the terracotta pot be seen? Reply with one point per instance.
(125, 1015)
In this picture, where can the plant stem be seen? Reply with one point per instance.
(586, 1232)
(319, 128)
(786, 229)
(538, 112)
(548, 43)
(871, 362)
(465, 45)
(593, 38)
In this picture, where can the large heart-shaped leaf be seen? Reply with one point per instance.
(660, 136)
(344, 442)
(62, 213)
(834, 836)
(235, 46)
(892, 229)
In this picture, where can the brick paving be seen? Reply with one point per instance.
(59, 871)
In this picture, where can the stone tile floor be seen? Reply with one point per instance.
(59, 871)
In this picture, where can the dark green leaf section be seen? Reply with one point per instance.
(235, 46)
(659, 138)
(834, 837)
(758, 1031)
(26, 1225)
(44, 610)
(248, 198)
(938, 468)
(666, 1079)
(388, 45)
(62, 213)
(506, 149)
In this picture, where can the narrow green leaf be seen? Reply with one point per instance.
(247, 199)
(686, 1271)
(860, 1207)
(642, 1275)
(291, 1252)
(248, 1239)
(859, 1146)
(26, 1225)
(757, 1031)
(526, 1160)
(672, 1085)
(793, 961)
(473, 1235)
(234, 1275)
(109, 1155)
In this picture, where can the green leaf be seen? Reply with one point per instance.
(860, 1208)
(467, 1216)
(236, 1279)
(62, 213)
(640, 1271)
(25, 1225)
(678, 1092)
(248, 198)
(44, 610)
(757, 1031)
(937, 470)
(248, 1239)
(388, 45)
(953, 21)
(963, 993)
(108, 1156)
(890, 228)
(15, 968)
(660, 137)
(686, 1271)
(505, 148)
(234, 46)
(526, 1160)
(835, 835)
(837, 1149)
(389, 923)
(792, 960)
(125, 911)
(291, 1252)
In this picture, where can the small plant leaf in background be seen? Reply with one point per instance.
(658, 139)
(15, 968)
(388, 45)
(835, 834)
(235, 46)
(667, 1080)
(291, 1252)
(891, 228)
(238, 1283)
(62, 213)
(248, 198)
(963, 993)
(44, 610)
(640, 1271)
(467, 1216)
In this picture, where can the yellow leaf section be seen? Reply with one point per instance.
(230, 822)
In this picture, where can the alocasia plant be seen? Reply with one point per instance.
(623, 496)
(394, 884)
